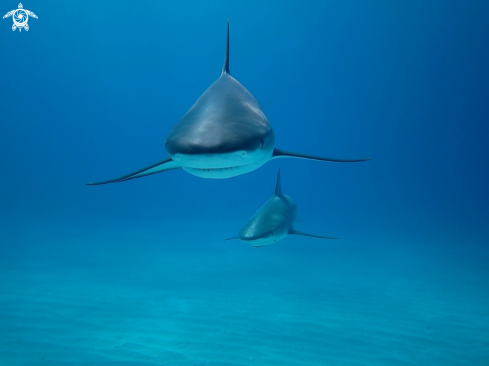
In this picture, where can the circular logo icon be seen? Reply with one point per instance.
(20, 18)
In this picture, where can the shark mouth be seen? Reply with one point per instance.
(219, 169)
(222, 173)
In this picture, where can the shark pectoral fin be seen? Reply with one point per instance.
(295, 232)
(162, 166)
(231, 238)
(287, 154)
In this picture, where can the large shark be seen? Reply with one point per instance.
(224, 134)
(273, 221)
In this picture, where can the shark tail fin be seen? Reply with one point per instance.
(278, 185)
(296, 232)
(287, 154)
(225, 68)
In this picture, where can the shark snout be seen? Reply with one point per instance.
(215, 144)
(205, 140)
(254, 237)
(250, 236)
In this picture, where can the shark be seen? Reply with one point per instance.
(273, 221)
(224, 134)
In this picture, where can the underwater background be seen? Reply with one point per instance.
(138, 273)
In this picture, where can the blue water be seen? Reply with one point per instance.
(138, 273)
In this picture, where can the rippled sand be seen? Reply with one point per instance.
(135, 299)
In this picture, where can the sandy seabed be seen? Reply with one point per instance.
(121, 301)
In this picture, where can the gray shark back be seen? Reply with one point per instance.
(226, 118)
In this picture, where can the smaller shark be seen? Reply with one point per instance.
(273, 221)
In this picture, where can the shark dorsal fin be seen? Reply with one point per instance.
(278, 186)
(225, 68)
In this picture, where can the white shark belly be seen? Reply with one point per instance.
(223, 165)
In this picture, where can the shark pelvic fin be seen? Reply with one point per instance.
(162, 166)
(225, 68)
(296, 232)
(287, 154)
